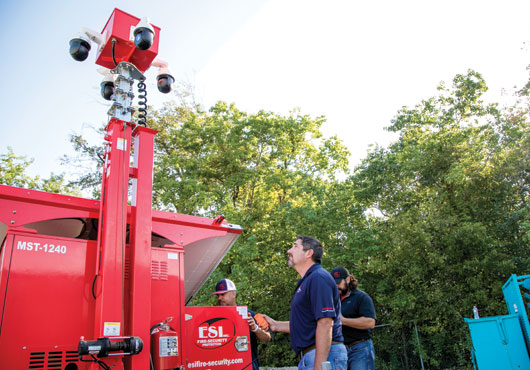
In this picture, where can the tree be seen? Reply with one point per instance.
(453, 195)
(88, 163)
(13, 173)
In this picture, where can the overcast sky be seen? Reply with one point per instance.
(355, 62)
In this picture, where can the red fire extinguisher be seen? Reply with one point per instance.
(164, 346)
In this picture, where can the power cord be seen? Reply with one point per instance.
(99, 362)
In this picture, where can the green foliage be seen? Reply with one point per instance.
(88, 164)
(13, 173)
(231, 161)
(453, 194)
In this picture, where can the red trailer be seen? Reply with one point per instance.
(88, 284)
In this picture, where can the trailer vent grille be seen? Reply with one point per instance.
(51, 360)
(71, 356)
(159, 270)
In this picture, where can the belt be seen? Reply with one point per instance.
(357, 342)
(312, 347)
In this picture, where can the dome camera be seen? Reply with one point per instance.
(107, 85)
(164, 79)
(107, 90)
(143, 34)
(143, 38)
(79, 47)
(164, 82)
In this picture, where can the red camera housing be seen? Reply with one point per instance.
(120, 27)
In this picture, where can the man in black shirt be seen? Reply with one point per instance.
(358, 318)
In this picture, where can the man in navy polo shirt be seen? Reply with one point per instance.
(358, 320)
(314, 321)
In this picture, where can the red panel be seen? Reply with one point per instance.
(46, 299)
(22, 206)
(217, 338)
(140, 241)
(167, 290)
(110, 290)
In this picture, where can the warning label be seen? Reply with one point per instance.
(168, 346)
(111, 329)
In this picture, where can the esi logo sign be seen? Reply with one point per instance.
(214, 333)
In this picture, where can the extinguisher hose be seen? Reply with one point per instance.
(154, 327)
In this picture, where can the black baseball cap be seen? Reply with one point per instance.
(339, 273)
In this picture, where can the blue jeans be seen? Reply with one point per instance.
(361, 356)
(338, 357)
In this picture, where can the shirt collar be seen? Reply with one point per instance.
(342, 297)
(350, 292)
(309, 271)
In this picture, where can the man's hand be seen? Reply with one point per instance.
(262, 335)
(252, 324)
(282, 326)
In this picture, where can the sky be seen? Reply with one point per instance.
(355, 62)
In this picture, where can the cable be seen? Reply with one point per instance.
(247, 365)
(142, 102)
(100, 220)
(114, 41)
(99, 362)
(93, 286)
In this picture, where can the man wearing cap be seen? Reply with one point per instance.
(358, 318)
(314, 320)
(226, 296)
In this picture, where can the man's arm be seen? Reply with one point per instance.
(262, 335)
(363, 323)
(324, 334)
(282, 326)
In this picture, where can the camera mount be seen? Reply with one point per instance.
(127, 47)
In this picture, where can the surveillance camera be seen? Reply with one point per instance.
(107, 90)
(79, 47)
(164, 82)
(143, 38)
(107, 85)
(164, 78)
(144, 34)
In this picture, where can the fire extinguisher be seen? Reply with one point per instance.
(164, 346)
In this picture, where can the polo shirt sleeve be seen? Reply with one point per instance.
(366, 308)
(322, 303)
